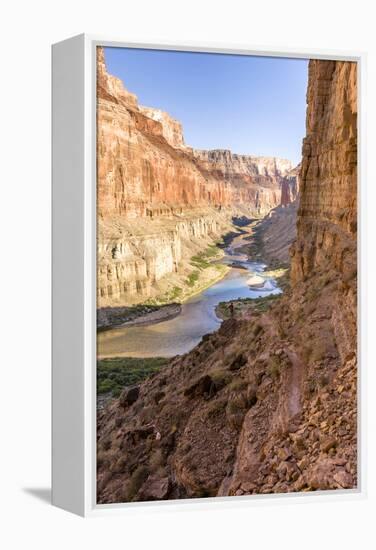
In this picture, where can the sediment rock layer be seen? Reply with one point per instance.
(290, 186)
(144, 168)
(268, 403)
(257, 182)
(328, 205)
(145, 171)
(135, 258)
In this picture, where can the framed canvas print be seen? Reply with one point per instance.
(206, 268)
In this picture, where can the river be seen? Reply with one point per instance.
(179, 335)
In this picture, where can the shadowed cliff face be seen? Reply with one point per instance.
(268, 403)
(290, 186)
(327, 216)
(328, 208)
(186, 197)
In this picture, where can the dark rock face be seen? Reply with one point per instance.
(129, 396)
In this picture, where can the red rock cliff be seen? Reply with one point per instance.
(146, 172)
(327, 213)
(290, 186)
(327, 216)
(144, 168)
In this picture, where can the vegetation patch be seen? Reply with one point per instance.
(193, 278)
(137, 479)
(205, 273)
(217, 407)
(236, 405)
(176, 292)
(220, 377)
(238, 385)
(274, 366)
(203, 259)
(116, 373)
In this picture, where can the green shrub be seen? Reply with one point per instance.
(193, 278)
(201, 260)
(137, 479)
(236, 405)
(238, 385)
(176, 292)
(217, 406)
(274, 366)
(220, 377)
(116, 373)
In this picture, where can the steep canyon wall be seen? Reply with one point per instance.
(327, 216)
(146, 172)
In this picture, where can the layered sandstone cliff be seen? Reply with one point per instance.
(144, 259)
(327, 217)
(144, 168)
(188, 197)
(257, 181)
(290, 186)
(268, 403)
(328, 208)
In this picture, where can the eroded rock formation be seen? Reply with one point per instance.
(188, 197)
(290, 186)
(268, 403)
(256, 181)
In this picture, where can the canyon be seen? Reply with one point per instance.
(160, 202)
(268, 403)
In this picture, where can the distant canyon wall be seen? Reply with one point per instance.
(290, 186)
(146, 172)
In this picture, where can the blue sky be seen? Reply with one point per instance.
(251, 105)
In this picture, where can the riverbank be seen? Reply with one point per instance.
(117, 373)
(196, 282)
(260, 246)
(205, 274)
(257, 248)
(245, 307)
(111, 317)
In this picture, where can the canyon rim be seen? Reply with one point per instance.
(226, 279)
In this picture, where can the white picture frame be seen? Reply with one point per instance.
(74, 276)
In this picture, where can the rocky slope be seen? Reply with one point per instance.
(187, 198)
(268, 403)
(276, 232)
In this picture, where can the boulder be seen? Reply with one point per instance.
(154, 488)
(129, 396)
